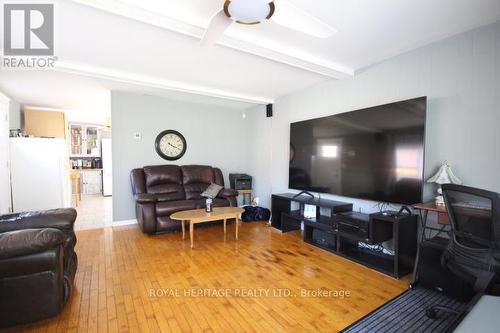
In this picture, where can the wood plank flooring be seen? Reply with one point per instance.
(130, 282)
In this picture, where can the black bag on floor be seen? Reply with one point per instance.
(252, 213)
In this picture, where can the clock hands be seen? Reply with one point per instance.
(173, 146)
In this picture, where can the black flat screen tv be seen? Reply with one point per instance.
(374, 154)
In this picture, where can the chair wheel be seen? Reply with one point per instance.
(431, 313)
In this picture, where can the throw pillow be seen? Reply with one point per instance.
(212, 191)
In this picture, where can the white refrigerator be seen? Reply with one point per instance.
(107, 167)
(39, 171)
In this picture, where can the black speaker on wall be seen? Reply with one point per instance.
(269, 110)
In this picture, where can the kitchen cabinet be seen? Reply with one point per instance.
(85, 140)
(76, 134)
(49, 124)
(92, 141)
(91, 181)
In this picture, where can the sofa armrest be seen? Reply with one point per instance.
(227, 193)
(62, 219)
(29, 241)
(145, 198)
(32, 284)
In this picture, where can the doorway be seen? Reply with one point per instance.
(91, 173)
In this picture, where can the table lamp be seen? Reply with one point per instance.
(443, 176)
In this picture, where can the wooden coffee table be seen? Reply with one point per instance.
(196, 216)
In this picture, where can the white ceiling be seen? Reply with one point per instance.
(59, 91)
(367, 31)
(151, 47)
(86, 99)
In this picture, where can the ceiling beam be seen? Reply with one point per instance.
(157, 83)
(287, 57)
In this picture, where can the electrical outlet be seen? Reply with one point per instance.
(137, 136)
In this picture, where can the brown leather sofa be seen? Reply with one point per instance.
(37, 264)
(162, 190)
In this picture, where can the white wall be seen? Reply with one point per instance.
(14, 115)
(460, 76)
(215, 136)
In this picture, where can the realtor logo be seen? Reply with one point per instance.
(28, 30)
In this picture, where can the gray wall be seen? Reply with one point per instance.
(215, 136)
(261, 153)
(460, 76)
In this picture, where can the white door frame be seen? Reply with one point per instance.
(5, 188)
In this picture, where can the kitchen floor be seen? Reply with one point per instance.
(94, 211)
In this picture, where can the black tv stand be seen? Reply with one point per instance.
(352, 235)
(288, 209)
(304, 192)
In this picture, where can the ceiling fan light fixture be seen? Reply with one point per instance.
(249, 11)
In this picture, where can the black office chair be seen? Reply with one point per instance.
(473, 253)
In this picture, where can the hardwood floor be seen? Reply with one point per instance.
(126, 282)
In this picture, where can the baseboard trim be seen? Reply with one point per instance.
(124, 222)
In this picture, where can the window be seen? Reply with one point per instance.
(329, 151)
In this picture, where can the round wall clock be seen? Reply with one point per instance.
(170, 145)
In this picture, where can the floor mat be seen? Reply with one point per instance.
(406, 313)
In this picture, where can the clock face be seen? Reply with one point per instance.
(170, 145)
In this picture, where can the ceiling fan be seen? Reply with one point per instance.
(251, 12)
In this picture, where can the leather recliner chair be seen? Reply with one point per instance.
(37, 264)
(162, 190)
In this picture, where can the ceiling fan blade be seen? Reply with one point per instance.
(218, 24)
(293, 17)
